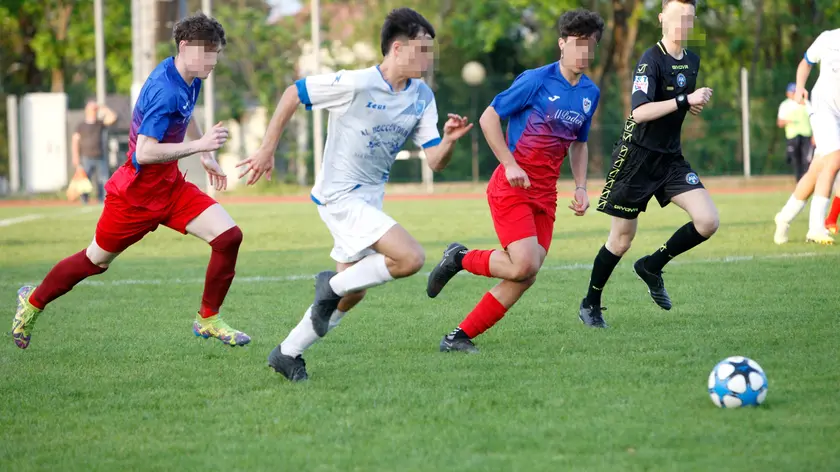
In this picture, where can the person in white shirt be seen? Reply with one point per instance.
(372, 113)
(825, 123)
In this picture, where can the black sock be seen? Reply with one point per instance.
(459, 257)
(683, 239)
(603, 267)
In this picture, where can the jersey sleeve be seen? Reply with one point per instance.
(157, 114)
(783, 110)
(645, 81)
(583, 134)
(332, 92)
(518, 97)
(814, 53)
(426, 133)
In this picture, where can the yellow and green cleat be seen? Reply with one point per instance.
(25, 317)
(215, 327)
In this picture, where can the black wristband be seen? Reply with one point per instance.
(682, 102)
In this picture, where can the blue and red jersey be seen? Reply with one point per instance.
(163, 111)
(545, 115)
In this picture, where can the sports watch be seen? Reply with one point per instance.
(682, 102)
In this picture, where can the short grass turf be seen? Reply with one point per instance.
(115, 380)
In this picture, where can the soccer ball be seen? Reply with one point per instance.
(736, 382)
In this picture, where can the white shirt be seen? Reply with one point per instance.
(368, 124)
(826, 51)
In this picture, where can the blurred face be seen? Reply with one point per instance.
(91, 109)
(414, 56)
(677, 21)
(577, 52)
(199, 58)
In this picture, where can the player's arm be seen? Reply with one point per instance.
(579, 155)
(812, 56)
(289, 102)
(645, 84)
(491, 126)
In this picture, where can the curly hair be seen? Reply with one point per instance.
(199, 27)
(581, 23)
(403, 22)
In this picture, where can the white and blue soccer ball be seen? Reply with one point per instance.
(736, 382)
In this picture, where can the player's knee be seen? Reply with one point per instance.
(619, 244)
(229, 241)
(414, 261)
(707, 225)
(528, 283)
(526, 270)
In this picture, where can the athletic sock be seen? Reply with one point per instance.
(816, 222)
(477, 262)
(368, 272)
(791, 209)
(220, 271)
(834, 213)
(683, 239)
(602, 268)
(62, 278)
(487, 313)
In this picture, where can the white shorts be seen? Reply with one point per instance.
(825, 124)
(356, 222)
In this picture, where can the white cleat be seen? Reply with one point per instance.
(819, 237)
(782, 227)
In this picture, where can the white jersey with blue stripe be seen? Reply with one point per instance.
(826, 51)
(369, 123)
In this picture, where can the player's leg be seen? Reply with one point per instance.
(798, 199)
(819, 202)
(622, 232)
(195, 213)
(287, 358)
(514, 220)
(102, 176)
(117, 229)
(495, 304)
(834, 212)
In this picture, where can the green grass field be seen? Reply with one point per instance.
(115, 380)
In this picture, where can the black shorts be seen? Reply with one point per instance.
(638, 174)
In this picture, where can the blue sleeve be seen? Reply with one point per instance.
(583, 134)
(159, 107)
(518, 96)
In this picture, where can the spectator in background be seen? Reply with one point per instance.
(794, 118)
(88, 146)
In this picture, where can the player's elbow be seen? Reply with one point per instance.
(640, 114)
(489, 119)
(434, 162)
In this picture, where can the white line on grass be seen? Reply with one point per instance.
(38, 216)
(293, 278)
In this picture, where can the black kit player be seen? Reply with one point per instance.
(648, 162)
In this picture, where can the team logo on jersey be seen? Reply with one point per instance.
(419, 107)
(681, 79)
(640, 83)
(692, 178)
(587, 105)
(641, 69)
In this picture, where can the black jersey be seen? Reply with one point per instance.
(659, 77)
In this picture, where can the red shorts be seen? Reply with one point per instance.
(517, 217)
(122, 225)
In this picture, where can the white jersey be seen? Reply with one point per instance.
(368, 124)
(826, 51)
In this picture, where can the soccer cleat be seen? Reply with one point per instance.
(656, 286)
(215, 327)
(25, 317)
(450, 343)
(819, 237)
(326, 301)
(832, 228)
(444, 270)
(293, 368)
(592, 315)
(782, 227)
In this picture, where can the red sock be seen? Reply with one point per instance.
(220, 271)
(477, 262)
(833, 213)
(62, 278)
(487, 313)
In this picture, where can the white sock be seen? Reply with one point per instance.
(335, 319)
(819, 208)
(791, 209)
(300, 338)
(368, 272)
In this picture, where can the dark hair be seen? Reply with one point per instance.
(403, 22)
(199, 27)
(687, 2)
(581, 23)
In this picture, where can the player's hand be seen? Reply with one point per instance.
(218, 179)
(800, 95)
(700, 96)
(214, 138)
(695, 109)
(581, 202)
(456, 127)
(262, 162)
(517, 177)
